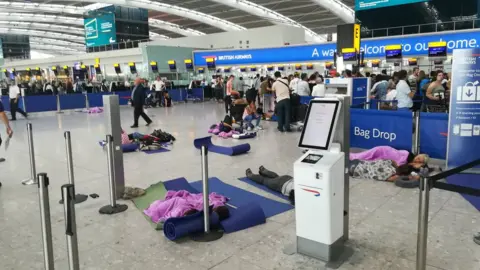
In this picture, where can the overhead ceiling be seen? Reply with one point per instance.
(175, 18)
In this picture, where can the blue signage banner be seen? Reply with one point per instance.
(464, 121)
(414, 45)
(359, 92)
(100, 30)
(369, 128)
(433, 134)
(369, 4)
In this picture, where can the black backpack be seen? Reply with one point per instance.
(251, 94)
(228, 120)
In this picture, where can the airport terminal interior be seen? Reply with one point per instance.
(240, 135)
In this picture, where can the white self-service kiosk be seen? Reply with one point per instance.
(358, 89)
(321, 182)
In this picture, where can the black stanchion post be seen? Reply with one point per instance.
(79, 198)
(44, 199)
(31, 151)
(207, 235)
(113, 207)
(425, 186)
(68, 196)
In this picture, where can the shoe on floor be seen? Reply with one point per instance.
(280, 129)
(476, 238)
(134, 126)
(259, 128)
(148, 124)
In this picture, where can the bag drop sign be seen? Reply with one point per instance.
(374, 133)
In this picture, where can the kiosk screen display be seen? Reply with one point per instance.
(320, 123)
(393, 54)
(349, 57)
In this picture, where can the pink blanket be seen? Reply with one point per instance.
(382, 152)
(177, 203)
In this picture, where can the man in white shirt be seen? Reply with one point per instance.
(14, 93)
(294, 82)
(404, 93)
(4, 119)
(159, 87)
(412, 79)
(303, 89)
(319, 88)
(283, 107)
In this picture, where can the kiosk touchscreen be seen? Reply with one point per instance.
(319, 184)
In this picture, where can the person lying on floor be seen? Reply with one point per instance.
(401, 157)
(381, 170)
(182, 203)
(282, 184)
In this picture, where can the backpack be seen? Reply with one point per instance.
(228, 120)
(251, 94)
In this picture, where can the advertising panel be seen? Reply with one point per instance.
(369, 4)
(414, 45)
(100, 30)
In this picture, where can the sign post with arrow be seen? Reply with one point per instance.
(463, 144)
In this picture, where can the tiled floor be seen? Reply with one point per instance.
(383, 217)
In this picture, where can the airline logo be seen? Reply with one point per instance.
(314, 192)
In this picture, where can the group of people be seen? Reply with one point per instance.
(412, 91)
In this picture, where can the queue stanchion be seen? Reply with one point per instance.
(59, 106)
(68, 196)
(425, 186)
(416, 138)
(31, 151)
(207, 235)
(79, 198)
(44, 199)
(113, 207)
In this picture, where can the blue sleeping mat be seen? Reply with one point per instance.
(176, 228)
(262, 187)
(160, 150)
(467, 180)
(224, 150)
(244, 216)
(239, 197)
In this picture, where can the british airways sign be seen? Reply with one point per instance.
(416, 45)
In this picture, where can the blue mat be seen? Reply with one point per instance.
(176, 228)
(179, 184)
(224, 150)
(160, 150)
(262, 187)
(239, 197)
(467, 180)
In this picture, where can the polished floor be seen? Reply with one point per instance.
(383, 216)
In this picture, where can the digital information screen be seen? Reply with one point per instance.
(312, 158)
(393, 54)
(437, 51)
(350, 57)
(369, 4)
(319, 124)
(100, 30)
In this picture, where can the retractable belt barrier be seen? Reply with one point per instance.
(426, 184)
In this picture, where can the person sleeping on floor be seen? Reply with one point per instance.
(381, 170)
(399, 157)
(282, 184)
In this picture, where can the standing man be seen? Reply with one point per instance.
(294, 82)
(282, 91)
(14, 93)
(138, 100)
(230, 92)
(4, 119)
(159, 88)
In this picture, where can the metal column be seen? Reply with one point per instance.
(423, 223)
(113, 126)
(31, 151)
(416, 139)
(44, 199)
(68, 196)
(113, 207)
(207, 235)
(79, 198)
